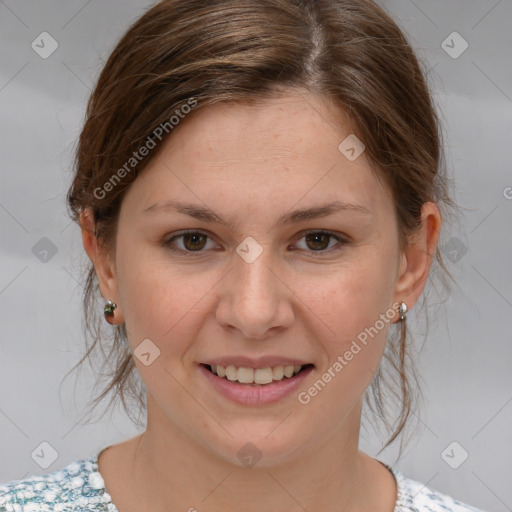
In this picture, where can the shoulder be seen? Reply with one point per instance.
(77, 486)
(414, 496)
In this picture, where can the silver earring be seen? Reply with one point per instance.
(402, 310)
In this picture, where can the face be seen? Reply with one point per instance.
(259, 277)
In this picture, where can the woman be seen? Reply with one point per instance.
(259, 187)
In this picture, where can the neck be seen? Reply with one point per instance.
(171, 471)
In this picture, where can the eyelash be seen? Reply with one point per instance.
(341, 240)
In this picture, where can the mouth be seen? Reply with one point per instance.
(254, 386)
(256, 377)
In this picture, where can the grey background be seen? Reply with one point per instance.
(465, 362)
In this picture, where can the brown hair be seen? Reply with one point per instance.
(349, 51)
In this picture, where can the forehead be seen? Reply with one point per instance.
(281, 151)
(280, 127)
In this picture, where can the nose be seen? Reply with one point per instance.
(255, 299)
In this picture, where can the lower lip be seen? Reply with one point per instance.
(254, 394)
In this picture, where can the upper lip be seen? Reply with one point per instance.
(260, 362)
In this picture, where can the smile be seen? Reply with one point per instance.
(250, 386)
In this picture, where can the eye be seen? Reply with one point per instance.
(318, 241)
(192, 242)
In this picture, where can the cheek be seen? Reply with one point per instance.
(354, 304)
(351, 297)
(353, 347)
(154, 295)
(161, 301)
(158, 305)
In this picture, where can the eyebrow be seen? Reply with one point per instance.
(207, 215)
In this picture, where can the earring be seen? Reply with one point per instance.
(402, 310)
(108, 311)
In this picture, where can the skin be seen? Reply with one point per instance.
(252, 164)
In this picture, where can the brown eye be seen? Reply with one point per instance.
(190, 243)
(321, 242)
(194, 241)
(318, 241)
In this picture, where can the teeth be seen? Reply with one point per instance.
(278, 373)
(231, 373)
(288, 371)
(262, 375)
(256, 376)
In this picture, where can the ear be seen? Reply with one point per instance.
(102, 261)
(417, 259)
